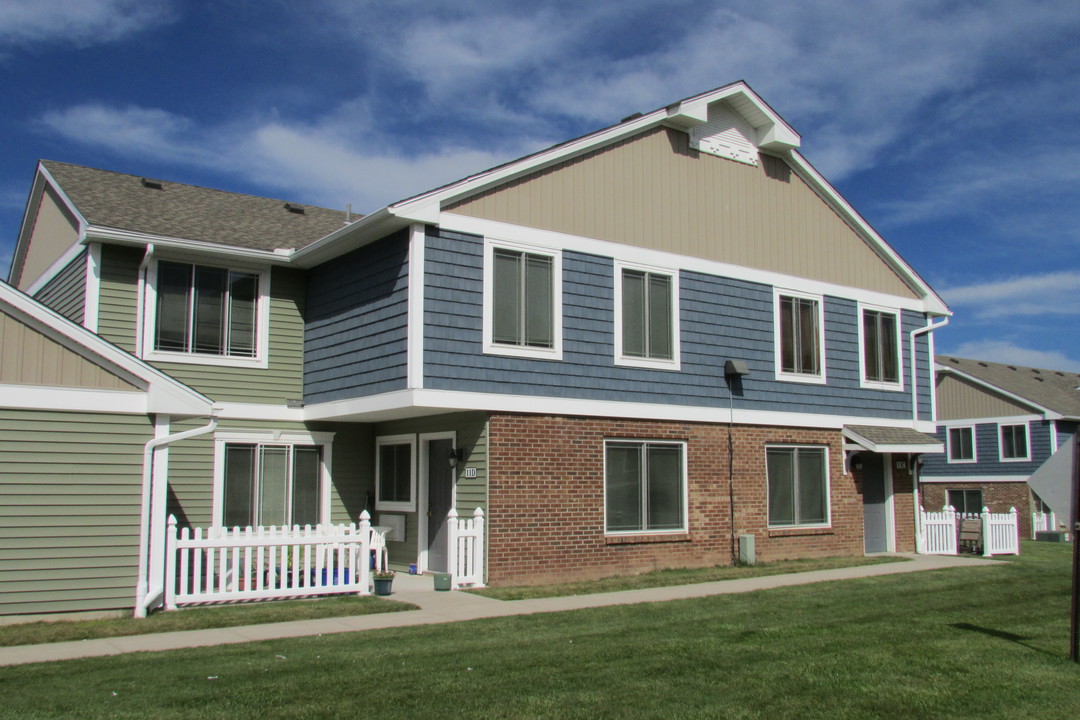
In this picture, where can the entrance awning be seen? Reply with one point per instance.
(892, 439)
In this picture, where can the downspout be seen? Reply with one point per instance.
(914, 363)
(147, 594)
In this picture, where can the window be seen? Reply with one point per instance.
(200, 313)
(646, 317)
(961, 444)
(798, 486)
(881, 349)
(1014, 443)
(522, 300)
(799, 329)
(644, 486)
(395, 473)
(967, 502)
(272, 484)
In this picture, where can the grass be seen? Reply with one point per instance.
(197, 619)
(981, 642)
(664, 578)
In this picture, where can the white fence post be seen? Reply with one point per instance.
(478, 548)
(170, 565)
(364, 566)
(987, 535)
(453, 547)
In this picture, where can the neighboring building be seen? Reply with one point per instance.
(1000, 424)
(642, 343)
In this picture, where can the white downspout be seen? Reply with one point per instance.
(148, 590)
(914, 364)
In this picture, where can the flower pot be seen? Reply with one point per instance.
(382, 587)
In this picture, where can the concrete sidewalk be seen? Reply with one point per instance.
(444, 607)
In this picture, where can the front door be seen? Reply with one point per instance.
(875, 517)
(440, 477)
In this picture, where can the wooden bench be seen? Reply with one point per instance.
(969, 537)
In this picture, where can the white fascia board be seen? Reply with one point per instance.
(66, 399)
(356, 234)
(1002, 420)
(127, 237)
(645, 256)
(1047, 413)
(934, 304)
(258, 411)
(974, 479)
(166, 393)
(420, 402)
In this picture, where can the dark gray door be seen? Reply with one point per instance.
(875, 522)
(440, 495)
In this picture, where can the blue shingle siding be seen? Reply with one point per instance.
(66, 293)
(721, 318)
(1065, 431)
(355, 325)
(987, 454)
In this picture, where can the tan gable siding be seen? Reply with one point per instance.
(69, 510)
(55, 230)
(958, 400)
(29, 358)
(653, 191)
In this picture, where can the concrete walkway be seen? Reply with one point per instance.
(444, 607)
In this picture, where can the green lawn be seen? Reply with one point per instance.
(974, 643)
(687, 576)
(198, 619)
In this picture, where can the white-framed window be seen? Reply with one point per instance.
(1014, 442)
(800, 336)
(645, 486)
(646, 316)
(880, 360)
(271, 478)
(522, 300)
(206, 314)
(395, 473)
(798, 485)
(966, 501)
(960, 444)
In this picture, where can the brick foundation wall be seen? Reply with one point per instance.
(999, 497)
(546, 499)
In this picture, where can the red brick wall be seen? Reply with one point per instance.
(546, 499)
(999, 497)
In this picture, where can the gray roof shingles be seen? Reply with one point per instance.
(892, 435)
(1052, 389)
(122, 202)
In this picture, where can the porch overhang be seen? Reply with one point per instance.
(891, 440)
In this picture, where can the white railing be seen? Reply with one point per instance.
(466, 549)
(263, 563)
(1042, 522)
(1000, 532)
(939, 532)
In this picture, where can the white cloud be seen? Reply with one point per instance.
(1047, 294)
(1002, 351)
(84, 22)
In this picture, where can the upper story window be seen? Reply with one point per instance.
(961, 442)
(800, 337)
(1014, 443)
(644, 486)
(881, 365)
(206, 314)
(646, 316)
(798, 486)
(522, 301)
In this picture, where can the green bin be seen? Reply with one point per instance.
(442, 581)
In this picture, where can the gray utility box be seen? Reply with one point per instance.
(1051, 536)
(747, 554)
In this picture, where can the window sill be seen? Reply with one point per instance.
(197, 359)
(521, 351)
(641, 538)
(799, 531)
(888, 387)
(801, 378)
(648, 363)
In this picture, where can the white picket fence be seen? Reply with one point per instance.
(1042, 522)
(228, 565)
(940, 532)
(466, 549)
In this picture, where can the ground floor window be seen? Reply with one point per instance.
(395, 473)
(644, 486)
(798, 486)
(967, 502)
(271, 484)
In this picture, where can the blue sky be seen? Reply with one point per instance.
(951, 126)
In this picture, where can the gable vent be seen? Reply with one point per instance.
(726, 134)
(152, 184)
(298, 209)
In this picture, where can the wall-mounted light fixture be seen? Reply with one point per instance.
(456, 456)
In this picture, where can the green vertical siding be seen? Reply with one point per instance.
(280, 381)
(70, 488)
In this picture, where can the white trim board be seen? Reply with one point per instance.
(37, 397)
(976, 479)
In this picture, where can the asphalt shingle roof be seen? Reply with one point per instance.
(892, 435)
(1052, 389)
(123, 202)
